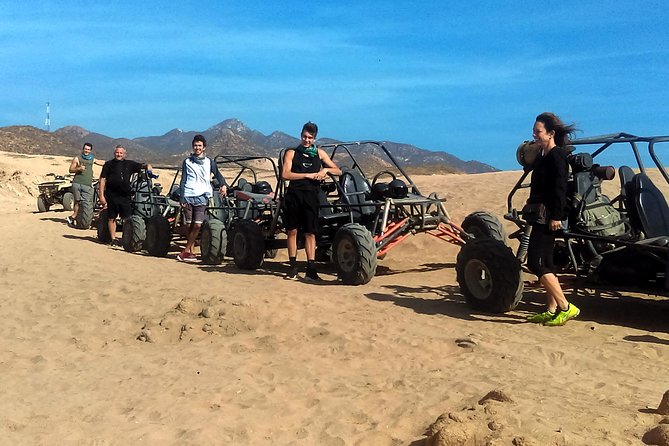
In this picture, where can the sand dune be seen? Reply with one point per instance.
(103, 347)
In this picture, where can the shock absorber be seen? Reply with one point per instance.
(524, 243)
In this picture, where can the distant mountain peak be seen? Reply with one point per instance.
(73, 130)
(230, 124)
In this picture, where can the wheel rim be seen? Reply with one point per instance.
(347, 255)
(477, 277)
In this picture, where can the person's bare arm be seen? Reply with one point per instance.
(75, 167)
(330, 166)
(103, 184)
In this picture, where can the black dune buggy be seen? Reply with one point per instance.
(158, 220)
(361, 217)
(150, 219)
(250, 200)
(619, 243)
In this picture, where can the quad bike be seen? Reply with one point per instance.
(361, 217)
(619, 243)
(58, 191)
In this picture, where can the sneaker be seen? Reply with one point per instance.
(70, 221)
(312, 276)
(562, 317)
(292, 273)
(185, 256)
(540, 318)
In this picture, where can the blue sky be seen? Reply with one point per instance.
(467, 77)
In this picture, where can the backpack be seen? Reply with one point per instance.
(601, 218)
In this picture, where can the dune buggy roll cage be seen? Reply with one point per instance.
(660, 251)
(390, 220)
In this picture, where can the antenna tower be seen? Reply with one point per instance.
(47, 121)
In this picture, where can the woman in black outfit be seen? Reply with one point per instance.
(549, 188)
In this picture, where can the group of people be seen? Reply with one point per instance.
(305, 167)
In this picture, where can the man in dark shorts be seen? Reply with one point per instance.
(115, 188)
(305, 167)
(195, 192)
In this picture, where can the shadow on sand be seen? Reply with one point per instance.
(607, 308)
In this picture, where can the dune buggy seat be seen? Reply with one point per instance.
(647, 206)
(356, 191)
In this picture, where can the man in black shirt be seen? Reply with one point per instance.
(115, 187)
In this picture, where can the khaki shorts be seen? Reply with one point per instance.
(82, 192)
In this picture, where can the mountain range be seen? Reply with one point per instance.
(228, 137)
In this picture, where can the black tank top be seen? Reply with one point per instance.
(303, 163)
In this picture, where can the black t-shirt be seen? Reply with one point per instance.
(303, 163)
(118, 175)
(549, 183)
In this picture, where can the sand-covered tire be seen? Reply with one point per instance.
(354, 254)
(84, 217)
(484, 224)
(248, 245)
(103, 227)
(158, 236)
(42, 204)
(68, 201)
(489, 275)
(213, 241)
(134, 233)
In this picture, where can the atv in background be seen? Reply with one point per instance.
(616, 243)
(362, 216)
(57, 191)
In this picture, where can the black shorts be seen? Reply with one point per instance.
(301, 210)
(118, 205)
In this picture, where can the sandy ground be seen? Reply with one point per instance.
(103, 347)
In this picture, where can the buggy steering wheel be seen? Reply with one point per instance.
(383, 172)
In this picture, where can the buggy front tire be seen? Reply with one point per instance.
(104, 236)
(489, 275)
(84, 216)
(248, 245)
(484, 224)
(134, 233)
(158, 236)
(68, 201)
(354, 254)
(42, 204)
(213, 241)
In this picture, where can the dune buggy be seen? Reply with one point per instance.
(250, 198)
(619, 244)
(157, 218)
(361, 216)
(145, 227)
(57, 191)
